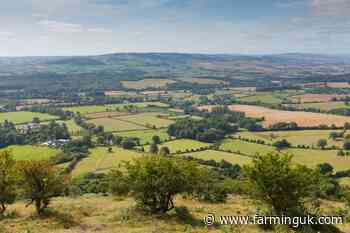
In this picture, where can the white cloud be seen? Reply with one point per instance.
(60, 27)
(64, 27)
(336, 8)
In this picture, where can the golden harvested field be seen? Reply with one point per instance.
(304, 119)
(145, 83)
(338, 85)
(315, 98)
(203, 81)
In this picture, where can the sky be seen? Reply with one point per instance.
(86, 27)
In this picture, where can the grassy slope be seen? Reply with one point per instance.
(28, 152)
(104, 214)
(24, 117)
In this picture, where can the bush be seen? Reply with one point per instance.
(8, 180)
(41, 181)
(281, 185)
(155, 180)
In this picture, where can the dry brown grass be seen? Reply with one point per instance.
(145, 83)
(304, 119)
(93, 213)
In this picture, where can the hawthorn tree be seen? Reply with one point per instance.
(8, 180)
(41, 181)
(154, 181)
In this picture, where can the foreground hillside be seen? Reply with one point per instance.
(105, 214)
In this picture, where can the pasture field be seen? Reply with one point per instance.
(28, 152)
(145, 83)
(182, 145)
(268, 98)
(303, 119)
(71, 125)
(203, 80)
(345, 181)
(220, 155)
(297, 137)
(114, 125)
(315, 98)
(111, 107)
(145, 136)
(148, 119)
(105, 114)
(325, 106)
(100, 160)
(24, 117)
(309, 158)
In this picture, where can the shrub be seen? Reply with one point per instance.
(155, 180)
(41, 181)
(8, 180)
(286, 192)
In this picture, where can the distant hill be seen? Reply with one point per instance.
(76, 61)
(182, 64)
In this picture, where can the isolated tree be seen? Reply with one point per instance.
(164, 151)
(325, 168)
(281, 185)
(153, 149)
(346, 145)
(154, 181)
(36, 120)
(322, 143)
(156, 139)
(282, 144)
(41, 182)
(8, 180)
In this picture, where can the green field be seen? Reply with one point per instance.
(219, 155)
(149, 119)
(114, 125)
(145, 136)
(24, 117)
(298, 137)
(31, 152)
(99, 160)
(327, 106)
(111, 107)
(183, 145)
(309, 158)
(268, 98)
